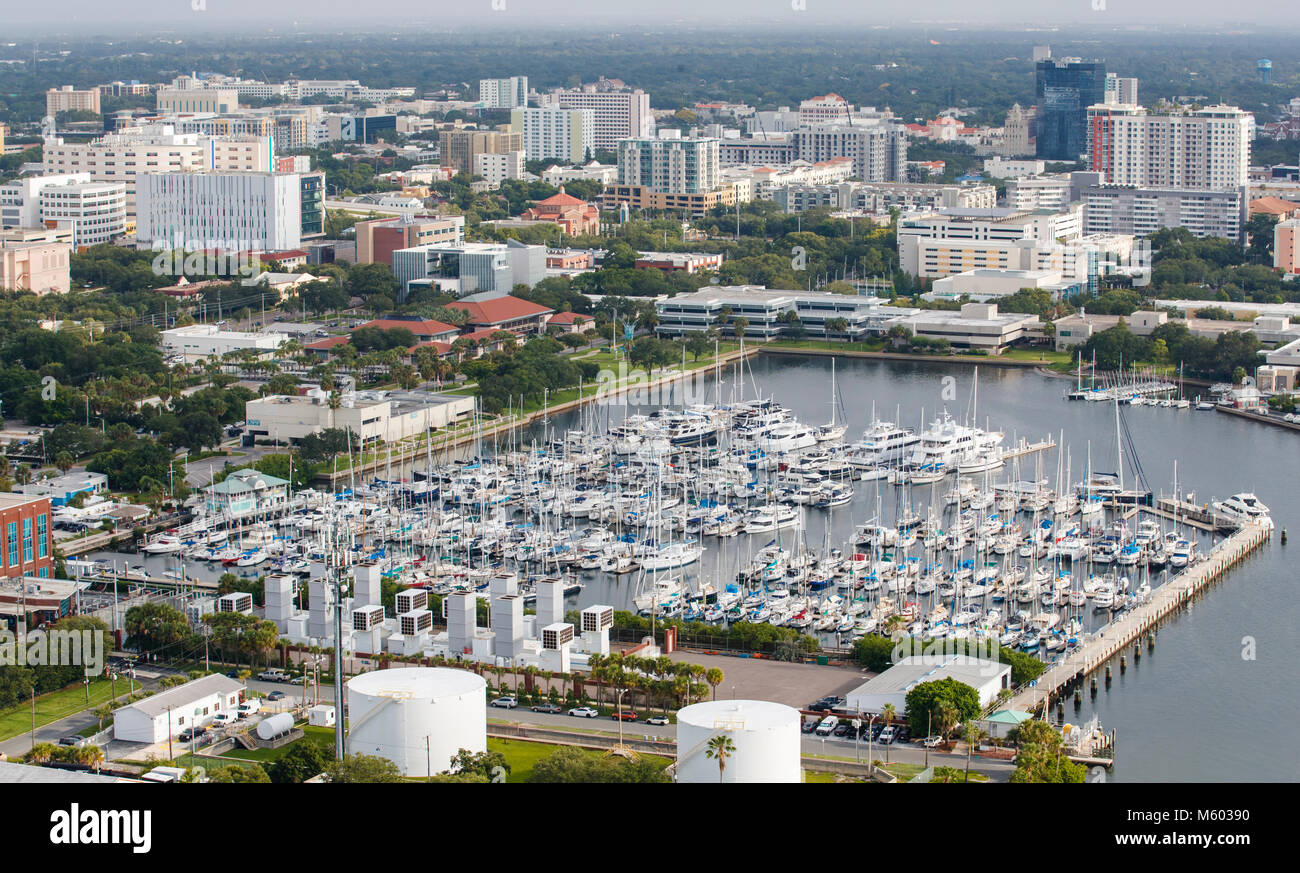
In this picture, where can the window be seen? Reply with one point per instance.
(12, 538)
(42, 539)
(27, 539)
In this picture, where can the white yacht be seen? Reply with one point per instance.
(883, 443)
(1243, 507)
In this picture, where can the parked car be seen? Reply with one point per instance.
(826, 726)
(72, 741)
(273, 675)
(658, 719)
(225, 719)
(191, 733)
(249, 707)
(553, 708)
(809, 726)
(505, 702)
(886, 736)
(841, 729)
(625, 715)
(583, 712)
(276, 695)
(931, 742)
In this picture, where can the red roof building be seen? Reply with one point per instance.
(574, 216)
(518, 316)
(424, 328)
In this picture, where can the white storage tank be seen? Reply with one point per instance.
(417, 717)
(270, 728)
(765, 736)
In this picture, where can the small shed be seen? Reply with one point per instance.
(321, 715)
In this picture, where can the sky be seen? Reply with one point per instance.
(309, 14)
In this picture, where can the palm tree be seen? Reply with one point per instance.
(973, 734)
(946, 719)
(888, 713)
(719, 749)
(714, 676)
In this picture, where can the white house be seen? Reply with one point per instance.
(167, 713)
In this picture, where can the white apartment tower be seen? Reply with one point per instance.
(879, 151)
(618, 115)
(511, 93)
(563, 134)
(1201, 148)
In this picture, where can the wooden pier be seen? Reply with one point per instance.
(1127, 630)
(1023, 448)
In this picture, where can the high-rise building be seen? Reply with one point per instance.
(1200, 148)
(827, 109)
(1121, 90)
(618, 115)
(564, 134)
(228, 211)
(457, 148)
(66, 99)
(125, 155)
(511, 93)
(879, 151)
(495, 169)
(1065, 88)
(671, 166)
(1016, 133)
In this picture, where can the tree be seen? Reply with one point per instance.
(972, 733)
(64, 461)
(486, 764)
(738, 325)
(155, 625)
(240, 773)
(715, 677)
(718, 749)
(945, 703)
(1039, 758)
(363, 768)
(304, 760)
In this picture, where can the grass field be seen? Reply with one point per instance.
(56, 705)
(523, 755)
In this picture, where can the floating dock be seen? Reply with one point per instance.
(1117, 637)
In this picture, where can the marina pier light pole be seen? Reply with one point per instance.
(338, 653)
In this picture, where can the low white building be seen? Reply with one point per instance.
(988, 678)
(982, 285)
(199, 341)
(169, 712)
(977, 326)
(369, 415)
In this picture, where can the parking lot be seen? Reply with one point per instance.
(761, 679)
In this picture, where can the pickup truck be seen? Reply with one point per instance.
(273, 675)
(249, 707)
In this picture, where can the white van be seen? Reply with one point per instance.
(249, 707)
(826, 726)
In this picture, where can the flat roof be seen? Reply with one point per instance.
(912, 671)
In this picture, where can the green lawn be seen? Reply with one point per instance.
(831, 345)
(522, 755)
(56, 705)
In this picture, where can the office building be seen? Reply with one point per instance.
(767, 311)
(511, 93)
(457, 148)
(122, 156)
(670, 166)
(95, 212)
(1017, 133)
(1199, 148)
(241, 153)
(878, 198)
(496, 168)
(197, 342)
(26, 548)
(617, 115)
(574, 217)
(205, 210)
(769, 151)
(20, 199)
(561, 134)
(217, 101)
(1143, 211)
(828, 109)
(878, 151)
(1065, 88)
(378, 238)
(67, 99)
(1037, 192)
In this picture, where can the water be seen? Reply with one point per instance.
(1194, 709)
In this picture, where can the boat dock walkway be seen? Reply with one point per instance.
(1116, 637)
(1023, 448)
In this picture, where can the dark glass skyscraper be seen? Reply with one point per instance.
(1066, 87)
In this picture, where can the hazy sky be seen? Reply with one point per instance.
(224, 14)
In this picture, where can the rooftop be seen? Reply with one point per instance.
(184, 695)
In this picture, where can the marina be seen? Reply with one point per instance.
(742, 522)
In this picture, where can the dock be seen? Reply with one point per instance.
(1024, 448)
(1127, 630)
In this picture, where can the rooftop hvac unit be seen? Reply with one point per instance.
(555, 636)
(597, 618)
(415, 622)
(412, 599)
(236, 601)
(367, 617)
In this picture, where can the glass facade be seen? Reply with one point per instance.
(1065, 89)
